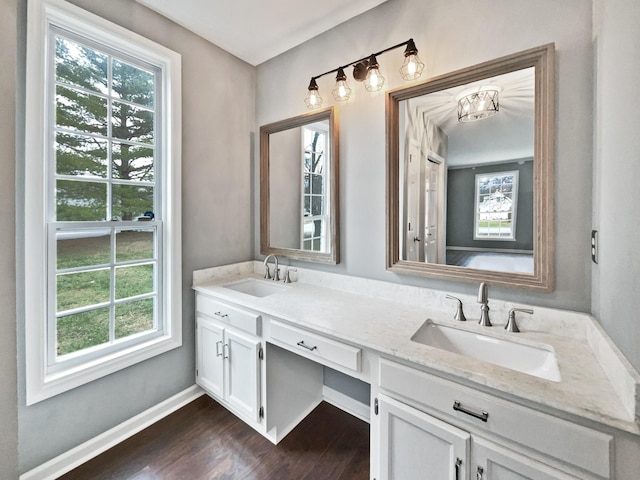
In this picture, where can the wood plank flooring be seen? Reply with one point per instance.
(204, 441)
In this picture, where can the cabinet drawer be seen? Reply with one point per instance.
(316, 345)
(568, 442)
(235, 317)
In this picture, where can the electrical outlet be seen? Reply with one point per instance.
(594, 246)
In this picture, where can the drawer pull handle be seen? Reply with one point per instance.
(302, 344)
(218, 353)
(220, 314)
(458, 464)
(226, 347)
(484, 416)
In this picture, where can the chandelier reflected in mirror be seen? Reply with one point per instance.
(478, 103)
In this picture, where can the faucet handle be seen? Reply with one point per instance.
(287, 277)
(511, 325)
(459, 313)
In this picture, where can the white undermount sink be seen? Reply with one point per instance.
(539, 361)
(256, 288)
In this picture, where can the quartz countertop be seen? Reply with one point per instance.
(369, 319)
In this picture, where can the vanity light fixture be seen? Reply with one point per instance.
(477, 104)
(366, 70)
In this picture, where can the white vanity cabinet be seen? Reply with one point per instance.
(414, 445)
(228, 358)
(426, 423)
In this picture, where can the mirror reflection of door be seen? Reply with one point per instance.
(423, 205)
(413, 246)
(431, 221)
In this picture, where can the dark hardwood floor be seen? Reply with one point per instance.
(204, 441)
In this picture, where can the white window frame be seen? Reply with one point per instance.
(42, 381)
(514, 206)
(318, 127)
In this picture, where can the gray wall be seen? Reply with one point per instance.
(515, 25)
(8, 385)
(461, 186)
(218, 120)
(616, 278)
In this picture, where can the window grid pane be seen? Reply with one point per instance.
(104, 168)
(91, 87)
(314, 192)
(496, 196)
(99, 270)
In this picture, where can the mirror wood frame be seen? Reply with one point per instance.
(542, 279)
(333, 256)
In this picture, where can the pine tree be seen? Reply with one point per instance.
(93, 89)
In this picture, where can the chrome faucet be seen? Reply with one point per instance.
(276, 274)
(483, 300)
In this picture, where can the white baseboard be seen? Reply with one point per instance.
(346, 403)
(69, 460)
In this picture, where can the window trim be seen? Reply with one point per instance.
(43, 14)
(326, 192)
(514, 203)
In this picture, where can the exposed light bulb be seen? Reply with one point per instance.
(313, 100)
(374, 80)
(412, 67)
(341, 92)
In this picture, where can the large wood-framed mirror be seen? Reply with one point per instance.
(470, 173)
(299, 186)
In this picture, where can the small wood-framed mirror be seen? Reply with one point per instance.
(470, 173)
(299, 186)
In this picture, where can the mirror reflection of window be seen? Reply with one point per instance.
(495, 206)
(314, 188)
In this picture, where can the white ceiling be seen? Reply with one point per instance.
(508, 135)
(257, 30)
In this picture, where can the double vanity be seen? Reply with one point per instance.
(460, 400)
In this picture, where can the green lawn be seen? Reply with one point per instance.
(494, 223)
(74, 290)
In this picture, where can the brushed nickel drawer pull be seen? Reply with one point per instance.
(302, 344)
(218, 354)
(220, 314)
(458, 463)
(484, 416)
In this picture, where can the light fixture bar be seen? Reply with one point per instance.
(403, 44)
(366, 69)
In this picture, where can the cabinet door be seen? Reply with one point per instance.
(242, 380)
(210, 349)
(493, 462)
(414, 445)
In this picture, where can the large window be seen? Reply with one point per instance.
(315, 225)
(102, 260)
(496, 206)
